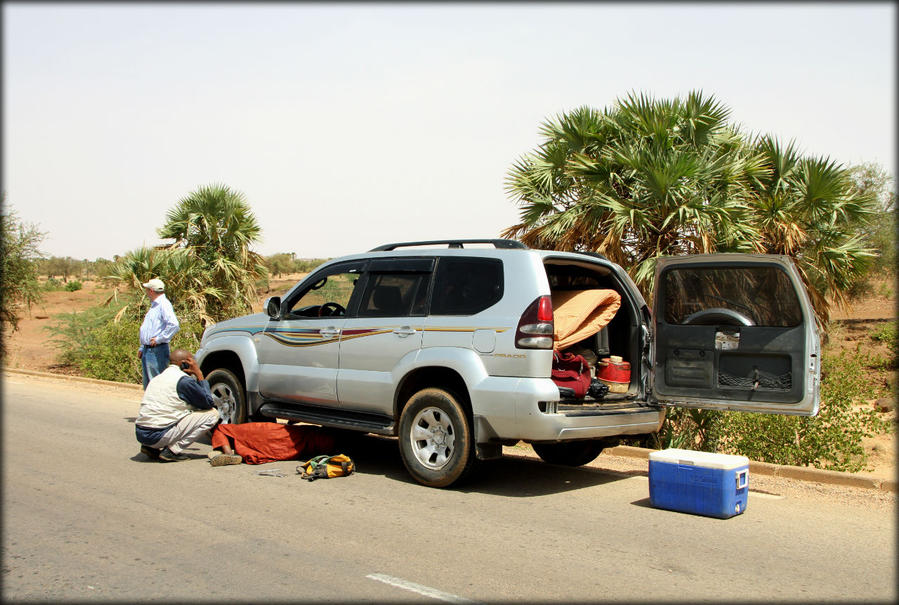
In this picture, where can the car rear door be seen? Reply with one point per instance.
(734, 332)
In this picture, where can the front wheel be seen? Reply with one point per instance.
(435, 438)
(570, 453)
(229, 396)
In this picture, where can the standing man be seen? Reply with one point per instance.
(160, 325)
(176, 410)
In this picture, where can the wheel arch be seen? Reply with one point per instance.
(439, 377)
(225, 360)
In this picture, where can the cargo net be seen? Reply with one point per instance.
(759, 379)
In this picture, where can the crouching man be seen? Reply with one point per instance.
(177, 409)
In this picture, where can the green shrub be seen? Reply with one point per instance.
(832, 439)
(72, 286)
(53, 285)
(103, 348)
(889, 335)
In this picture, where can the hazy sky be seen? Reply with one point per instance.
(352, 125)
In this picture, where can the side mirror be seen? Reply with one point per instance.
(273, 307)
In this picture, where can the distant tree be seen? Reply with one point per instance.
(880, 232)
(283, 262)
(19, 288)
(62, 266)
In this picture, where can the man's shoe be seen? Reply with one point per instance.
(167, 455)
(225, 459)
(150, 452)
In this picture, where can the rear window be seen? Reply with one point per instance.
(763, 295)
(465, 286)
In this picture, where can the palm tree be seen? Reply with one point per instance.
(215, 227)
(185, 281)
(667, 177)
(810, 209)
(643, 179)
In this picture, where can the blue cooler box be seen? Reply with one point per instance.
(702, 483)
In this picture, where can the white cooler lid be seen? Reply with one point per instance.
(674, 455)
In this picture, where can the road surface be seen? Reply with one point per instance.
(87, 517)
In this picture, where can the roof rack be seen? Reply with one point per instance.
(507, 244)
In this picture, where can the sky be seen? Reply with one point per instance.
(348, 125)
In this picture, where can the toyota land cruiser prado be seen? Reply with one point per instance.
(449, 346)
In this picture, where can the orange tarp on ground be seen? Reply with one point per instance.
(260, 442)
(579, 314)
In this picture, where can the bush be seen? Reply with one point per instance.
(830, 440)
(72, 286)
(103, 348)
(888, 335)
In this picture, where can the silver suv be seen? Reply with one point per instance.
(449, 347)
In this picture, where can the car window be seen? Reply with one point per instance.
(761, 296)
(465, 286)
(394, 295)
(328, 294)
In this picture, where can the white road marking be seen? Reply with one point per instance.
(425, 591)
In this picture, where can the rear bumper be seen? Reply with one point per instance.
(525, 409)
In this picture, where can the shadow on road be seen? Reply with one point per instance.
(509, 476)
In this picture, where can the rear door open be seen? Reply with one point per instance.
(734, 332)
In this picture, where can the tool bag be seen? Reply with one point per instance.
(571, 373)
(325, 467)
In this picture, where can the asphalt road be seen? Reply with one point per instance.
(85, 516)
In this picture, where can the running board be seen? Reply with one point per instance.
(343, 419)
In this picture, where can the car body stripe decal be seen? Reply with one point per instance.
(313, 337)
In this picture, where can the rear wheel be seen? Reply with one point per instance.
(435, 438)
(570, 453)
(229, 396)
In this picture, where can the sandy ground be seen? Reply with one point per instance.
(31, 348)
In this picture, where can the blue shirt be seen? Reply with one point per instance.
(160, 322)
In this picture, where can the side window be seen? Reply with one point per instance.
(328, 295)
(752, 295)
(465, 286)
(394, 295)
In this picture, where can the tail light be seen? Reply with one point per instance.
(535, 328)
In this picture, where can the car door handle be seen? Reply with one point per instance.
(330, 331)
(404, 331)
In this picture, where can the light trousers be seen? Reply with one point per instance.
(192, 427)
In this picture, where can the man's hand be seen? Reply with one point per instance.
(193, 368)
(153, 342)
(140, 353)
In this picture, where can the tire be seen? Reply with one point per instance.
(435, 438)
(229, 395)
(570, 453)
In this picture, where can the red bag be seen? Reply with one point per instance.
(571, 371)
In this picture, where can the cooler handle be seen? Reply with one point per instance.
(742, 478)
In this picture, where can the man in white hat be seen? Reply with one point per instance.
(160, 325)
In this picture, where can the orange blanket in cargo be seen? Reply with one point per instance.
(579, 314)
(261, 442)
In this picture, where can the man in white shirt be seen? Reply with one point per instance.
(160, 325)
